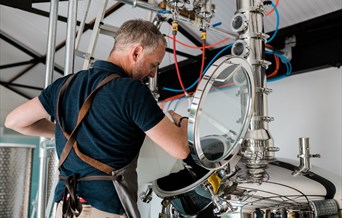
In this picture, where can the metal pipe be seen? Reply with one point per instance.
(45, 151)
(95, 34)
(51, 43)
(46, 147)
(152, 84)
(70, 38)
(257, 148)
(304, 157)
(141, 4)
(42, 185)
(83, 21)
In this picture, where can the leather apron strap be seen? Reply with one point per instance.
(126, 188)
(71, 142)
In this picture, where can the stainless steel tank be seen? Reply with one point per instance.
(15, 179)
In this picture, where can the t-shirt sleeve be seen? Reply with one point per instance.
(143, 108)
(46, 100)
(48, 97)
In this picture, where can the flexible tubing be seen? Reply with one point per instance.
(277, 23)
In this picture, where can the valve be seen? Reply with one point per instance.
(174, 27)
(165, 203)
(222, 206)
(146, 196)
(304, 155)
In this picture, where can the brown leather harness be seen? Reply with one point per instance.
(72, 206)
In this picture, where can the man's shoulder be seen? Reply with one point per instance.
(130, 84)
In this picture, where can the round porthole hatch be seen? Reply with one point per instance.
(220, 112)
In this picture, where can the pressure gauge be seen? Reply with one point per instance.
(220, 112)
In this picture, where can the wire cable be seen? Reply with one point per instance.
(216, 56)
(209, 64)
(277, 23)
(290, 187)
(276, 70)
(176, 63)
(176, 105)
(287, 63)
(271, 11)
(204, 37)
(199, 47)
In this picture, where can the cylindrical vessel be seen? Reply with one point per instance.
(15, 179)
(257, 149)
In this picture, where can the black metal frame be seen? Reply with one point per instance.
(38, 58)
(318, 45)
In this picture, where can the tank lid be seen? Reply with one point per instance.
(221, 111)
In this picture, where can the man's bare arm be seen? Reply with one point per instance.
(170, 137)
(31, 119)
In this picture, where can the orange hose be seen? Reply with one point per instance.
(199, 47)
(202, 65)
(277, 63)
(176, 97)
(277, 67)
(271, 11)
(176, 64)
(173, 97)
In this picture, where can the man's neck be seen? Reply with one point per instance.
(121, 61)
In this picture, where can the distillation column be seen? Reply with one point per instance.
(257, 149)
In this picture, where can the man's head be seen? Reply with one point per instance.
(139, 48)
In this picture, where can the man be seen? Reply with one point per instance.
(99, 133)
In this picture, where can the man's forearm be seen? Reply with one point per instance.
(30, 118)
(43, 127)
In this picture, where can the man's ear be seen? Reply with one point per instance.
(137, 52)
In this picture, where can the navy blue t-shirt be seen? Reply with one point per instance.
(112, 131)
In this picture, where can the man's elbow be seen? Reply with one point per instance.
(9, 123)
(185, 153)
(12, 123)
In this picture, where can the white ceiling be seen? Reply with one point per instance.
(30, 30)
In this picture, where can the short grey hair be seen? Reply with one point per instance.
(138, 31)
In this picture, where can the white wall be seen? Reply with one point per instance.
(304, 105)
(309, 105)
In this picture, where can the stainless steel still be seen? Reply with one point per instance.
(257, 149)
(15, 179)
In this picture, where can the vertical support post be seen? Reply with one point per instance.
(95, 34)
(83, 22)
(153, 82)
(44, 150)
(51, 43)
(153, 86)
(70, 38)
